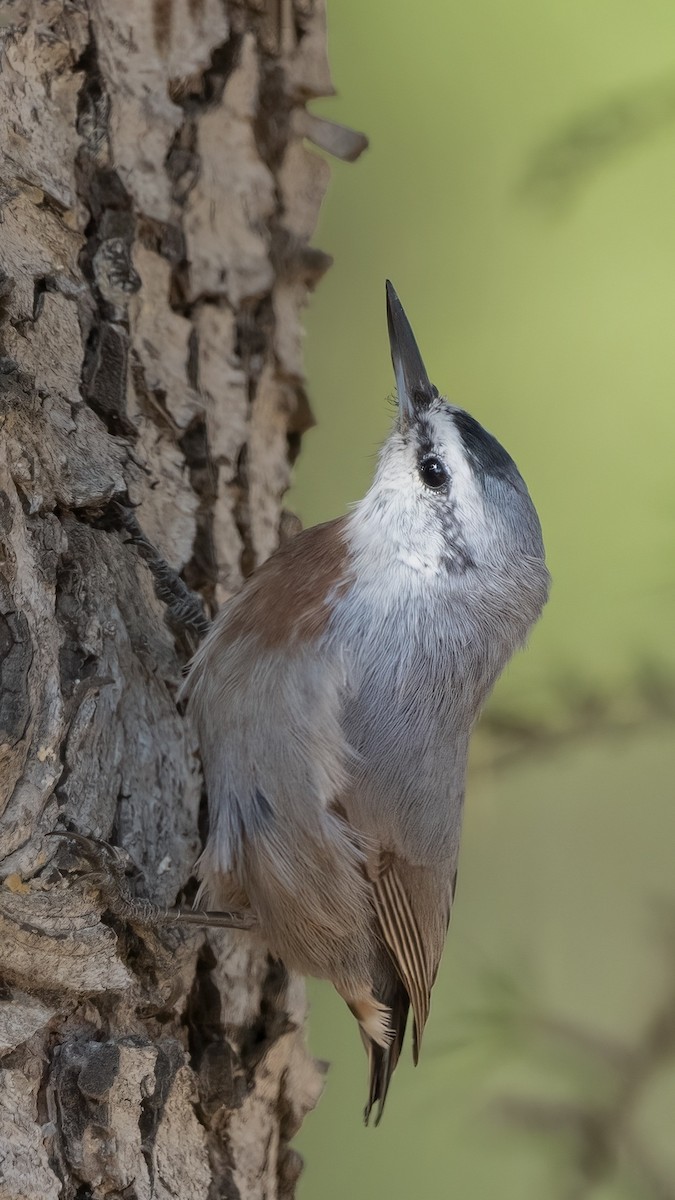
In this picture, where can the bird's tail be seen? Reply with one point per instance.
(382, 1059)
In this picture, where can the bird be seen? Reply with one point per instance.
(334, 699)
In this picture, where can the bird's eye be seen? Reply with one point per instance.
(432, 472)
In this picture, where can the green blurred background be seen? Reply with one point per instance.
(519, 190)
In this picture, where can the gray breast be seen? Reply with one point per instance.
(407, 715)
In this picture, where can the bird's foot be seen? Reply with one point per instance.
(110, 869)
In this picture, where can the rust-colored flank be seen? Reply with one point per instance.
(286, 599)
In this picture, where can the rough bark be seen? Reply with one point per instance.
(157, 201)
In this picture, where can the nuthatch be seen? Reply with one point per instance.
(334, 698)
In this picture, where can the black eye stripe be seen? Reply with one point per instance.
(433, 473)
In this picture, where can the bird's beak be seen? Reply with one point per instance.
(415, 391)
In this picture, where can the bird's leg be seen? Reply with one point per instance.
(109, 872)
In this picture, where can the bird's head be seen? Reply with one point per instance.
(447, 497)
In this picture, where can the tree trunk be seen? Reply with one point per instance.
(157, 201)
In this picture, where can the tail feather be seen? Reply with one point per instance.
(382, 1060)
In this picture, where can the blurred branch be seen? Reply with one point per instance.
(563, 164)
(585, 1041)
(603, 1137)
(503, 1008)
(506, 737)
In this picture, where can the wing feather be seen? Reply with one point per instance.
(404, 941)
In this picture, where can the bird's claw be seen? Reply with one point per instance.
(95, 851)
(109, 868)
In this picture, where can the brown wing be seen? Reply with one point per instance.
(416, 950)
(287, 597)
